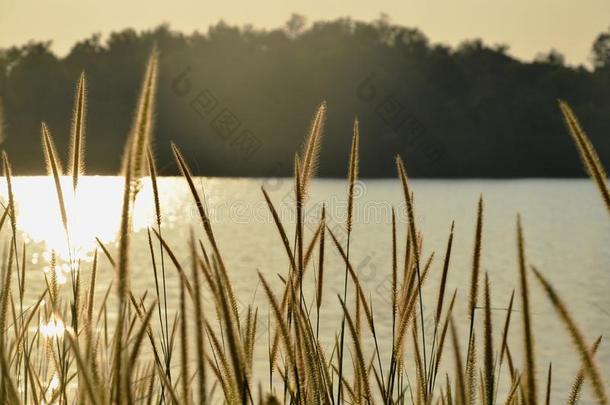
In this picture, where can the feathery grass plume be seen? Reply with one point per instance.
(589, 365)
(471, 368)
(320, 278)
(441, 293)
(476, 261)
(311, 149)
(89, 317)
(77, 132)
(8, 175)
(420, 377)
(54, 169)
(394, 275)
(298, 236)
(588, 155)
(488, 358)
(230, 319)
(530, 371)
(141, 133)
(352, 176)
(402, 173)
(123, 279)
(152, 169)
(580, 378)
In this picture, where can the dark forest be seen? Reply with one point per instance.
(238, 100)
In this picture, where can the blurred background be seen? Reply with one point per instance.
(459, 89)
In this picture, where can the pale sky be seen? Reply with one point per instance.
(527, 26)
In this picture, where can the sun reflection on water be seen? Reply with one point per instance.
(93, 211)
(55, 328)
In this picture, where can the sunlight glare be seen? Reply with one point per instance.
(94, 211)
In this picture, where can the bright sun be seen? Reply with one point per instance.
(94, 211)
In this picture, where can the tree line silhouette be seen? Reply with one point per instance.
(238, 100)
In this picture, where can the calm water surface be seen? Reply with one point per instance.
(566, 227)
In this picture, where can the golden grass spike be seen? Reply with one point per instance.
(311, 149)
(588, 155)
(54, 169)
(441, 293)
(420, 377)
(152, 169)
(123, 280)
(352, 176)
(320, 280)
(471, 367)
(402, 173)
(141, 133)
(589, 365)
(530, 371)
(8, 174)
(77, 133)
(231, 323)
(394, 275)
(580, 377)
(408, 311)
(476, 260)
(221, 365)
(488, 347)
(124, 241)
(89, 306)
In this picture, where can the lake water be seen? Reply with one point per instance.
(567, 233)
